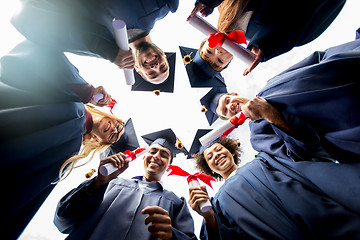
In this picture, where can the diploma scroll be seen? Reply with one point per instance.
(109, 168)
(239, 51)
(218, 132)
(98, 96)
(204, 206)
(120, 33)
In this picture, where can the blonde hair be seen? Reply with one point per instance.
(230, 11)
(88, 146)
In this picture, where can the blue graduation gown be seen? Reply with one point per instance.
(84, 26)
(323, 91)
(278, 26)
(42, 123)
(274, 198)
(114, 212)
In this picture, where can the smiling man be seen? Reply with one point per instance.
(85, 28)
(107, 207)
(150, 61)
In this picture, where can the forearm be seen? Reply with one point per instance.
(276, 118)
(210, 221)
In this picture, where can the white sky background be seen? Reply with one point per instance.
(179, 110)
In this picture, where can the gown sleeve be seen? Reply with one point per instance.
(306, 145)
(76, 206)
(182, 222)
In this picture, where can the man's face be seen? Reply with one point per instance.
(229, 105)
(152, 63)
(217, 57)
(157, 160)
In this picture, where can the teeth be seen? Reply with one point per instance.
(150, 60)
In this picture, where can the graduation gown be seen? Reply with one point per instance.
(277, 26)
(323, 91)
(114, 212)
(42, 124)
(274, 198)
(84, 26)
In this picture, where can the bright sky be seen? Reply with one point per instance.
(179, 110)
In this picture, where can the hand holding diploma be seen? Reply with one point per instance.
(121, 38)
(125, 59)
(224, 129)
(121, 163)
(100, 97)
(192, 179)
(109, 168)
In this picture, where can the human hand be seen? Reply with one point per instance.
(198, 8)
(105, 100)
(125, 59)
(160, 222)
(259, 58)
(119, 161)
(259, 108)
(197, 196)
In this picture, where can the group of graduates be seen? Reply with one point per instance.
(304, 183)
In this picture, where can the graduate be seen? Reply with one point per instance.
(200, 72)
(277, 197)
(320, 90)
(272, 27)
(139, 208)
(44, 124)
(85, 27)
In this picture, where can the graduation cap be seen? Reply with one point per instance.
(128, 141)
(210, 101)
(196, 145)
(167, 139)
(167, 86)
(200, 73)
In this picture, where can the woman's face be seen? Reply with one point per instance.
(106, 129)
(217, 57)
(219, 158)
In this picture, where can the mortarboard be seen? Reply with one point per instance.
(165, 138)
(210, 101)
(167, 86)
(128, 141)
(196, 145)
(200, 73)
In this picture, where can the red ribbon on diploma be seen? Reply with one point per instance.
(133, 154)
(175, 170)
(112, 104)
(217, 39)
(236, 121)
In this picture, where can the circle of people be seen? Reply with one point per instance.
(302, 184)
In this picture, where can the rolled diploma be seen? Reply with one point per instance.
(216, 133)
(204, 206)
(109, 168)
(239, 51)
(119, 27)
(98, 96)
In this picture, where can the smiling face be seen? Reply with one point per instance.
(217, 57)
(104, 128)
(151, 63)
(229, 105)
(219, 159)
(156, 162)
